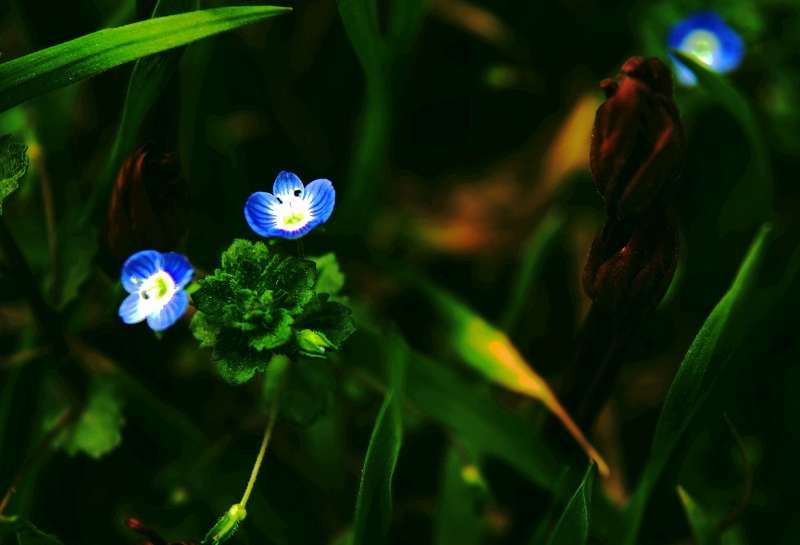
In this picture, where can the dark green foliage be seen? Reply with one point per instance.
(257, 304)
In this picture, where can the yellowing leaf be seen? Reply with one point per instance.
(490, 351)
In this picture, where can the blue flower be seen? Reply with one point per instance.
(291, 210)
(707, 38)
(155, 282)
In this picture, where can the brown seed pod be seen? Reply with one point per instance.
(148, 206)
(630, 265)
(638, 144)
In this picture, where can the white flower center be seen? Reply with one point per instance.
(702, 45)
(292, 213)
(155, 291)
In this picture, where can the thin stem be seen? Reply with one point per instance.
(273, 416)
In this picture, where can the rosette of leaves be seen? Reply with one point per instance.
(260, 303)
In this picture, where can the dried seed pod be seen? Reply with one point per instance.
(638, 144)
(148, 206)
(630, 266)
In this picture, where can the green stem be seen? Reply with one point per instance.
(273, 416)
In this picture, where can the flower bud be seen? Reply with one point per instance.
(638, 143)
(630, 266)
(148, 205)
(226, 526)
(313, 343)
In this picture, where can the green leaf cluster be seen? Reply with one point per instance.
(260, 303)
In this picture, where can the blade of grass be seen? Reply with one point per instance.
(54, 67)
(712, 352)
(374, 502)
(572, 527)
(381, 58)
(703, 527)
(148, 80)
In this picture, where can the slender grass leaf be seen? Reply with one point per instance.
(13, 166)
(708, 358)
(537, 250)
(490, 352)
(703, 527)
(754, 193)
(572, 527)
(54, 67)
(374, 502)
(148, 80)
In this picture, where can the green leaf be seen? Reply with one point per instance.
(54, 67)
(329, 276)
(704, 529)
(98, 429)
(490, 352)
(26, 533)
(246, 309)
(13, 166)
(374, 503)
(732, 322)
(572, 527)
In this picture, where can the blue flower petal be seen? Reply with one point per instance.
(171, 312)
(130, 311)
(321, 198)
(286, 184)
(291, 235)
(138, 267)
(178, 268)
(728, 55)
(259, 211)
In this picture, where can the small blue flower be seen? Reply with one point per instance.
(707, 38)
(155, 282)
(291, 210)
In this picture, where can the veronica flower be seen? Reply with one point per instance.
(292, 209)
(155, 282)
(707, 38)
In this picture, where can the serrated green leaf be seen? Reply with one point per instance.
(98, 430)
(374, 503)
(572, 527)
(13, 166)
(703, 527)
(54, 67)
(253, 306)
(330, 279)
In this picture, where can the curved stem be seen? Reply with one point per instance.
(273, 416)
